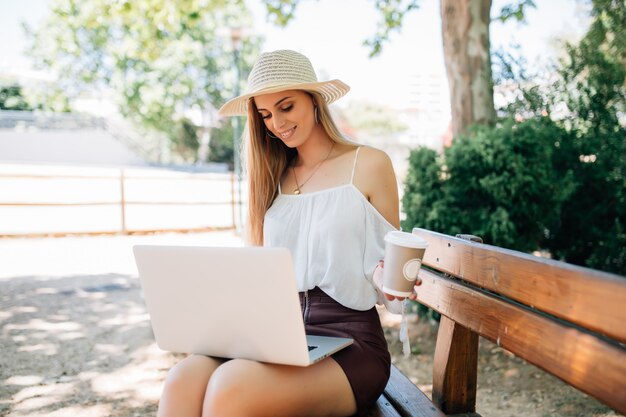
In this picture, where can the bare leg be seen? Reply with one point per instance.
(185, 385)
(243, 388)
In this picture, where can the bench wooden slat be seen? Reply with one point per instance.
(581, 359)
(407, 399)
(383, 408)
(590, 298)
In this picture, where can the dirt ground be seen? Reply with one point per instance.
(81, 345)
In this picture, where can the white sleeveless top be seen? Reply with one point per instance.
(336, 238)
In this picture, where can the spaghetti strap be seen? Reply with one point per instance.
(279, 190)
(356, 156)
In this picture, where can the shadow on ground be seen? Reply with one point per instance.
(83, 346)
(77, 345)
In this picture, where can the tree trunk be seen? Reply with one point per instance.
(465, 28)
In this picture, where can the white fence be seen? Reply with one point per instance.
(61, 200)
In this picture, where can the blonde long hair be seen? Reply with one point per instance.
(266, 160)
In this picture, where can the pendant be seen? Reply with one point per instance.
(296, 191)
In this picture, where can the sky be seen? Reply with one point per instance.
(331, 34)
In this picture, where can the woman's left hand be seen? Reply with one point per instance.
(378, 280)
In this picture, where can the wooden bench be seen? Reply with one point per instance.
(567, 320)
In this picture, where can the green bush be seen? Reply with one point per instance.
(185, 142)
(221, 145)
(557, 184)
(592, 86)
(11, 98)
(498, 183)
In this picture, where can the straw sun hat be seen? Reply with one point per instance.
(279, 71)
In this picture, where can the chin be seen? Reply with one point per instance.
(293, 142)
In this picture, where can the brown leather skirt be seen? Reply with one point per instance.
(366, 362)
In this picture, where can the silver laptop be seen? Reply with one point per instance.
(239, 302)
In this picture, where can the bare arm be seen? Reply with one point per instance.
(377, 181)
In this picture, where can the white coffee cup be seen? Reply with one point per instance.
(403, 259)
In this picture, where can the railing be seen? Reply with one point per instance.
(113, 201)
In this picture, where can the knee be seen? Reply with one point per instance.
(228, 393)
(189, 375)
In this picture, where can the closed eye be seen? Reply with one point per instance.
(285, 109)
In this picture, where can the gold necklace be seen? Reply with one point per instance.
(296, 190)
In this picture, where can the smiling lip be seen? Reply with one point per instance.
(288, 133)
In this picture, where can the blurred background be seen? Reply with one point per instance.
(504, 119)
(108, 120)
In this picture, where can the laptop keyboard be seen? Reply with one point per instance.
(312, 347)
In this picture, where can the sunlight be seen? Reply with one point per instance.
(98, 410)
(24, 309)
(125, 319)
(24, 380)
(44, 348)
(109, 349)
(71, 335)
(53, 392)
(46, 291)
(39, 324)
(142, 378)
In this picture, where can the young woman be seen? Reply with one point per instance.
(330, 202)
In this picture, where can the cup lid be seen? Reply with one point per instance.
(406, 239)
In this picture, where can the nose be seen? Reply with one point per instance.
(278, 121)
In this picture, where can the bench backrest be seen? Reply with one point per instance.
(567, 320)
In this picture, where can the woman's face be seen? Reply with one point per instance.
(289, 115)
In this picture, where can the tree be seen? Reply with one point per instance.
(11, 98)
(593, 88)
(554, 181)
(159, 57)
(465, 28)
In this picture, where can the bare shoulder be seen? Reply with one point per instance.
(374, 164)
(376, 179)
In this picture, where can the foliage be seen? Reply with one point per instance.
(281, 11)
(185, 141)
(159, 57)
(554, 181)
(221, 146)
(11, 98)
(497, 183)
(593, 88)
(373, 118)
(392, 14)
(515, 10)
(48, 96)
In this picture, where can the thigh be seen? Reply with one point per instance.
(252, 389)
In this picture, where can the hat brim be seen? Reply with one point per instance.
(329, 90)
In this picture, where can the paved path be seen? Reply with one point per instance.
(74, 333)
(90, 255)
